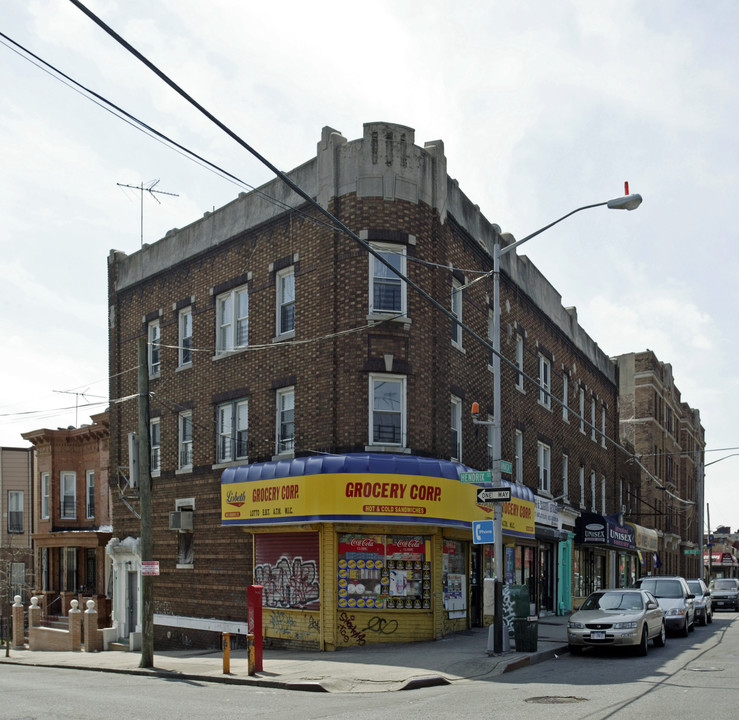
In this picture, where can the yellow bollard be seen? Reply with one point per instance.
(226, 641)
(251, 654)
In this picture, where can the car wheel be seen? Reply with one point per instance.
(575, 650)
(691, 626)
(661, 638)
(703, 620)
(710, 617)
(684, 632)
(643, 648)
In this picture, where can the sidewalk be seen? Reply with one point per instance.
(372, 668)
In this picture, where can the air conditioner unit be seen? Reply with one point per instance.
(180, 520)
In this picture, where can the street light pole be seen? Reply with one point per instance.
(627, 202)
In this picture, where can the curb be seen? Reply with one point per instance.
(535, 658)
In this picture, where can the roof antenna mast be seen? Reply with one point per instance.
(150, 189)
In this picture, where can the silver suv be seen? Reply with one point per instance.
(725, 593)
(675, 598)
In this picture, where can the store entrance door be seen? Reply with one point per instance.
(546, 578)
(476, 585)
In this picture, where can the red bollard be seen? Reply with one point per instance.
(254, 618)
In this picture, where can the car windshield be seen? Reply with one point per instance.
(724, 584)
(695, 588)
(663, 588)
(613, 601)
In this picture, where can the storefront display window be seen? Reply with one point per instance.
(455, 578)
(384, 571)
(589, 571)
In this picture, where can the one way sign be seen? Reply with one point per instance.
(500, 494)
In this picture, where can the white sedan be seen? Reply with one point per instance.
(610, 618)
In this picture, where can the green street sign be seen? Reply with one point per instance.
(483, 476)
(506, 467)
(691, 551)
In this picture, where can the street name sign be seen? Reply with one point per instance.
(506, 467)
(691, 551)
(483, 531)
(497, 494)
(482, 476)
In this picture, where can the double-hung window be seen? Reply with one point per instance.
(155, 352)
(519, 361)
(603, 426)
(15, 511)
(387, 410)
(582, 486)
(286, 301)
(387, 290)
(457, 312)
(69, 495)
(285, 430)
(544, 462)
(565, 475)
(90, 493)
(592, 419)
(518, 440)
(545, 382)
(455, 438)
(582, 410)
(155, 443)
(232, 320)
(185, 440)
(185, 340)
(233, 431)
(565, 390)
(45, 495)
(593, 496)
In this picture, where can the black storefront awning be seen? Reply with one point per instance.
(593, 529)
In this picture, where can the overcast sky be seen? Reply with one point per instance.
(543, 106)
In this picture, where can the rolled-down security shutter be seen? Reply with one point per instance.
(287, 567)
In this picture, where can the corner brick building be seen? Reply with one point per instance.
(311, 413)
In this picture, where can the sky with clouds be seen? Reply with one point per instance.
(542, 106)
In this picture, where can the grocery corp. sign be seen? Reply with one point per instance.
(255, 495)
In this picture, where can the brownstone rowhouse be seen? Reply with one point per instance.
(273, 336)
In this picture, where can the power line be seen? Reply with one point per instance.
(333, 220)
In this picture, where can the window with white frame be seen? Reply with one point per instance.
(90, 493)
(15, 511)
(518, 441)
(545, 382)
(185, 440)
(18, 579)
(154, 347)
(592, 418)
(593, 496)
(582, 410)
(519, 361)
(565, 476)
(603, 495)
(232, 320)
(68, 494)
(455, 435)
(185, 538)
(620, 493)
(185, 337)
(603, 426)
(565, 388)
(233, 431)
(582, 486)
(457, 312)
(387, 410)
(155, 445)
(285, 283)
(45, 495)
(544, 463)
(387, 292)
(285, 420)
(628, 497)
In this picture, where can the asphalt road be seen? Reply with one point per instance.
(689, 678)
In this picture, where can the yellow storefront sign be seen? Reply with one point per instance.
(365, 497)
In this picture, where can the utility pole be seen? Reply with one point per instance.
(147, 545)
(151, 192)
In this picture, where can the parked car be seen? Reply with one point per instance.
(703, 601)
(674, 596)
(725, 593)
(610, 618)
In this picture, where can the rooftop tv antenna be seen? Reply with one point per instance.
(150, 189)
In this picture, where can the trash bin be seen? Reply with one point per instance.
(526, 633)
(519, 599)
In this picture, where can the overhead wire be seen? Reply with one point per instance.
(334, 221)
